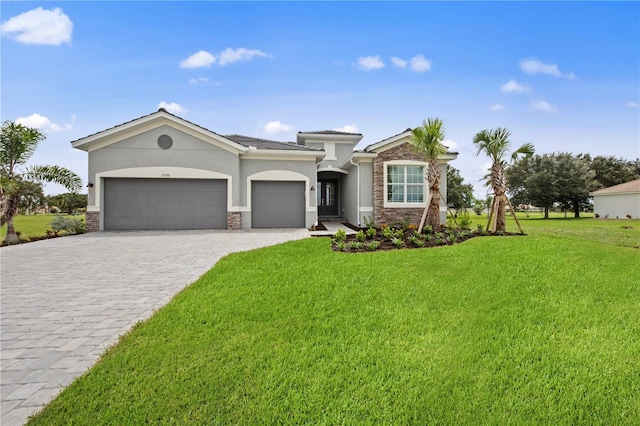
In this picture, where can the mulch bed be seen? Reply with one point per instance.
(409, 240)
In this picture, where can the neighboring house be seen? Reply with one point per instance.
(163, 172)
(618, 201)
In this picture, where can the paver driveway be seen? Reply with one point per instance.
(65, 300)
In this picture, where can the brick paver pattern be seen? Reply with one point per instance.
(65, 300)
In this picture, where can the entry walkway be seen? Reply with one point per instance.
(332, 228)
(65, 300)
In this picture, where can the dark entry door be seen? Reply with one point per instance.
(328, 197)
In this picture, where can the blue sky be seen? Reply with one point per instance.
(564, 76)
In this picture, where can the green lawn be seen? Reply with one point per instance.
(32, 226)
(536, 329)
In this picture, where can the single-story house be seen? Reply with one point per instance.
(618, 201)
(161, 171)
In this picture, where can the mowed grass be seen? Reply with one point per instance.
(32, 226)
(536, 329)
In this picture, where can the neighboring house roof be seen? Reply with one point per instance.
(623, 188)
(330, 132)
(258, 143)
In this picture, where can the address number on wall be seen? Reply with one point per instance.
(165, 175)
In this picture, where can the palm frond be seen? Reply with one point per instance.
(55, 174)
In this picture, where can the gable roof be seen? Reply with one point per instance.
(623, 188)
(147, 122)
(398, 139)
(259, 143)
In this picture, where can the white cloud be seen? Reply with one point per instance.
(420, 64)
(229, 55)
(276, 127)
(347, 128)
(400, 63)
(370, 63)
(543, 106)
(172, 107)
(513, 86)
(198, 60)
(43, 123)
(534, 66)
(40, 26)
(631, 104)
(198, 80)
(451, 144)
(497, 107)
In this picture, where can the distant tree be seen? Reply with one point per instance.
(609, 171)
(68, 202)
(478, 206)
(574, 181)
(533, 180)
(17, 144)
(496, 144)
(32, 197)
(459, 194)
(428, 140)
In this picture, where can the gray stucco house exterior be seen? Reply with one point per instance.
(161, 171)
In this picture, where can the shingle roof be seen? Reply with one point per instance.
(144, 116)
(631, 186)
(258, 143)
(366, 148)
(330, 132)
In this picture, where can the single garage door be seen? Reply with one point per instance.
(132, 203)
(277, 204)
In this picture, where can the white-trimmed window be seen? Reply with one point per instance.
(404, 184)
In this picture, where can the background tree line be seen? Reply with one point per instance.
(565, 179)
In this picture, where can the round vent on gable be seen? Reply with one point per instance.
(165, 141)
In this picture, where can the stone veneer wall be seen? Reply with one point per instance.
(234, 221)
(382, 215)
(92, 221)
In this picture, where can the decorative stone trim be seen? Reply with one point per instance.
(234, 221)
(390, 215)
(92, 221)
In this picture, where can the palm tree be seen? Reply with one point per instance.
(428, 140)
(17, 144)
(496, 145)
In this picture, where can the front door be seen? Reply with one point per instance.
(328, 197)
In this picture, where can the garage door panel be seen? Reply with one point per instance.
(131, 203)
(276, 204)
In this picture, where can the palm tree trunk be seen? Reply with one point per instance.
(433, 213)
(501, 215)
(12, 237)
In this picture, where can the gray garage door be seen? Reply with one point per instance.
(165, 203)
(277, 204)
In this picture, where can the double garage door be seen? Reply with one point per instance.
(132, 203)
(140, 203)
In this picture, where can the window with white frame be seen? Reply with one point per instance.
(404, 185)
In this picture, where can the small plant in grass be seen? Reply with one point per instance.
(399, 233)
(356, 245)
(387, 233)
(452, 238)
(438, 238)
(360, 235)
(341, 246)
(397, 242)
(416, 241)
(68, 225)
(371, 232)
(340, 236)
(373, 245)
(427, 229)
(464, 220)
(368, 222)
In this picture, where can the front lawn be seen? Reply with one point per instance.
(541, 329)
(33, 226)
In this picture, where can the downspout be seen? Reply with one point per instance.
(357, 191)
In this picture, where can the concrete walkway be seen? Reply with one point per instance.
(65, 300)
